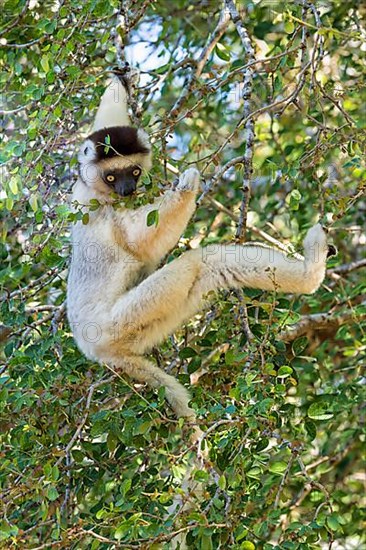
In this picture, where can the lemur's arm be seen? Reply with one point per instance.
(174, 210)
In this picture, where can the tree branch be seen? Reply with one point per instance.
(344, 269)
(318, 321)
(247, 158)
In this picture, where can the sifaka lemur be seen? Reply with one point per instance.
(120, 302)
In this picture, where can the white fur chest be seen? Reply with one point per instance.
(101, 270)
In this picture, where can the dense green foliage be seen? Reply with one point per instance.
(87, 458)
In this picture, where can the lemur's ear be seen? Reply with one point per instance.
(146, 158)
(87, 152)
(144, 139)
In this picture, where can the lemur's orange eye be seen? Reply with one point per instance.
(110, 178)
(136, 172)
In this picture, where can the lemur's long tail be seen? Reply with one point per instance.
(113, 108)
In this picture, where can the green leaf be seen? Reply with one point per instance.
(284, 372)
(33, 201)
(319, 411)
(94, 205)
(62, 210)
(153, 218)
(57, 111)
(277, 467)
(269, 368)
(254, 472)
(310, 428)
(333, 523)
(45, 63)
(51, 27)
(201, 475)
(52, 493)
(112, 442)
(293, 199)
(13, 185)
(47, 469)
(222, 482)
(186, 353)
(125, 487)
(107, 141)
(261, 445)
(205, 542)
(299, 345)
(9, 204)
(289, 27)
(222, 52)
(122, 530)
(7, 530)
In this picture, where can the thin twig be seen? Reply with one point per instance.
(212, 40)
(283, 481)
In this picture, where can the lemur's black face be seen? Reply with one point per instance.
(111, 160)
(122, 181)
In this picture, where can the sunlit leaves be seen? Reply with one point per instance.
(319, 411)
(278, 467)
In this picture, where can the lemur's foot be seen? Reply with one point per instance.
(189, 180)
(316, 237)
(315, 242)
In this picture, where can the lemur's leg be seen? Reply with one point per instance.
(147, 314)
(169, 296)
(113, 108)
(141, 369)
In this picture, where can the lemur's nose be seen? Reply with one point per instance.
(125, 186)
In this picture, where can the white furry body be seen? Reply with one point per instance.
(120, 305)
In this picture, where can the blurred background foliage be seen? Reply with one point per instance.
(90, 460)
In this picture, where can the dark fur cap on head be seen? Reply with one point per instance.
(123, 140)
